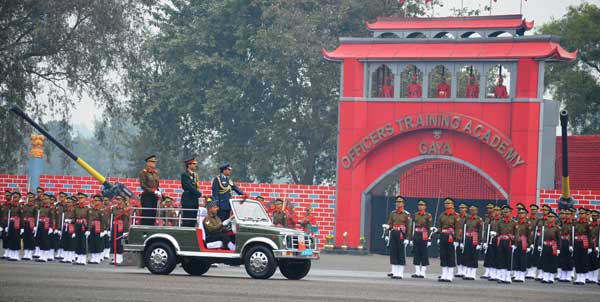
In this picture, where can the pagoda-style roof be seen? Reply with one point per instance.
(516, 22)
(536, 47)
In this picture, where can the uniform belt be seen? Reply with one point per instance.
(420, 229)
(565, 236)
(549, 242)
(448, 231)
(504, 237)
(581, 237)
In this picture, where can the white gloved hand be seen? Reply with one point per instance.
(531, 247)
(57, 232)
(385, 226)
(410, 243)
(539, 249)
(462, 246)
(1, 229)
(485, 246)
(67, 220)
(438, 242)
(433, 229)
(157, 193)
(492, 233)
(455, 244)
(103, 234)
(226, 222)
(108, 234)
(22, 231)
(596, 248)
(50, 230)
(428, 243)
(405, 242)
(514, 247)
(570, 249)
(35, 229)
(478, 247)
(589, 251)
(73, 236)
(557, 252)
(125, 235)
(87, 233)
(528, 250)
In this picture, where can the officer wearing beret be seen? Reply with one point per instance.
(191, 193)
(149, 182)
(221, 191)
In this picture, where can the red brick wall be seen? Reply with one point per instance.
(320, 198)
(583, 198)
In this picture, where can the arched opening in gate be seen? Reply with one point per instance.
(431, 178)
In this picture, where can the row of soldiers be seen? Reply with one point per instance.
(531, 245)
(66, 228)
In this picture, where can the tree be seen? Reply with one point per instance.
(61, 49)
(244, 82)
(576, 83)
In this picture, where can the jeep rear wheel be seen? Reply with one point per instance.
(260, 262)
(294, 269)
(195, 267)
(159, 258)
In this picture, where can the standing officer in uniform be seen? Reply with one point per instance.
(532, 258)
(189, 198)
(4, 206)
(540, 223)
(68, 230)
(14, 227)
(221, 191)
(582, 247)
(82, 233)
(399, 225)
(522, 241)
(422, 224)
(279, 217)
(449, 230)
(488, 246)
(549, 248)
(505, 245)
(594, 259)
(471, 245)
(149, 182)
(29, 214)
(565, 261)
(120, 226)
(462, 217)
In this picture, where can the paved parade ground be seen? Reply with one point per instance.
(333, 278)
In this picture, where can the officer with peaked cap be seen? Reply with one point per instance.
(399, 223)
(222, 186)
(191, 193)
(422, 223)
(149, 182)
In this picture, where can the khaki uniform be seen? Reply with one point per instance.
(279, 218)
(149, 182)
(400, 223)
(522, 242)
(582, 244)
(449, 229)
(422, 223)
(474, 227)
(213, 226)
(504, 242)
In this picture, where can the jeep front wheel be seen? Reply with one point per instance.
(294, 269)
(195, 267)
(159, 258)
(260, 262)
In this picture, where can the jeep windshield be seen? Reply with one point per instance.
(250, 211)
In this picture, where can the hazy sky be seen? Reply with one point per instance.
(540, 11)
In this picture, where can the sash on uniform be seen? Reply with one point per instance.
(423, 231)
(15, 221)
(401, 228)
(551, 243)
(96, 225)
(584, 238)
(31, 221)
(475, 236)
(523, 239)
(70, 229)
(450, 233)
(46, 221)
(503, 237)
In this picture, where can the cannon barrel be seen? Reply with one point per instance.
(109, 189)
(565, 199)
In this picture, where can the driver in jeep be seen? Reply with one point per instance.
(215, 229)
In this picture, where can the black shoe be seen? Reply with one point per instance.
(459, 276)
(484, 277)
(389, 274)
(519, 281)
(414, 276)
(529, 278)
(397, 277)
(579, 283)
(490, 279)
(545, 282)
(421, 277)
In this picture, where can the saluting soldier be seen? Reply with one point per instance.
(549, 248)
(29, 214)
(565, 261)
(279, 217)
(489, 247)
(120, 226)
(422, 225)
(191, 193)
(505, 245)
(462, 217)
(474, 233)
(399, 223)
(82, 219)
(595, 255)
(221, 191)
(522, 242)
(96, 231)
(532, 259)
(68, 230)
(582, 247)
(149, 182)
(449, 229)
(14, 226)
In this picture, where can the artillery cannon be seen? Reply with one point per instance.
(108, 189)
(565, 201)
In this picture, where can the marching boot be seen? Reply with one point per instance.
(530, 273)
(486, 274)
(493, 274)
(396, 271)
(43, 257)
(119, 259)
(50, 255)
(551, 278)
(391, 273)
(423, 272)
(36, 254)
(6, 252)
(580, 280)
(540, 275)
(59, 254)
(417, 270)
(27, 254)
(14, 255)
(443, 275)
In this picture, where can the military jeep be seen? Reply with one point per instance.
(260, 246)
